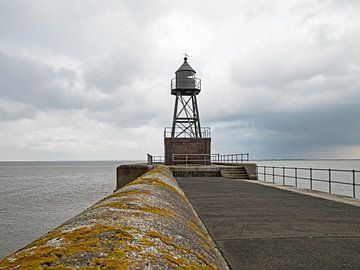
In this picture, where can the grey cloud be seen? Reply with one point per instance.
(30, 82)
(11, 115)
(27, 81)
(292, 134)
(115, 71)
(280, 78)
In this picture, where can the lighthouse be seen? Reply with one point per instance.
(185, 87)
(186, 141)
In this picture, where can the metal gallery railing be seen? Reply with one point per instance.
(324, 179)
(179, 133)
(193, 83)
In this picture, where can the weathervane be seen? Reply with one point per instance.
(186, 55)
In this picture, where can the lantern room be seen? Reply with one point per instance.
(185, 81)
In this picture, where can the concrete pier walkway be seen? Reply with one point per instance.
(260, 227)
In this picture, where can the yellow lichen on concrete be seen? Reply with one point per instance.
(148, 209)
(156, 182)
(49, 250)
(147, 224)
(159, 169)
(128, 193)
(199, 262)
(204, 237)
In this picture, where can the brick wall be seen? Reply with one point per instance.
(183, 146)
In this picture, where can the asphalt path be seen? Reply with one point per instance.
(261, 227)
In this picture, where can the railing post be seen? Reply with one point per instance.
(242, 158)
(354, 190)
(264, 173)
(247, 156)
(310, 178)
(329, 181)
(150, 159)
(273, 174)
(295, 177)
(283, 176)
(257, 172)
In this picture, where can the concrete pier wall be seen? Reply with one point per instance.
(147, 224)
(249, 167)
(129, 172)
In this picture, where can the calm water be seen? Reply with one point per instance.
(35, 197)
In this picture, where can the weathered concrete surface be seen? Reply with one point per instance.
(244, 170)
(148, 224)
(260, 227)
(128, 172)
(195, 170)
(249, 167)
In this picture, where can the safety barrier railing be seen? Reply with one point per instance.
(154, 159)
(191, 159)
(187, 158)
(230, 158)
(324, 179)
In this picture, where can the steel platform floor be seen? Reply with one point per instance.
(261, 227)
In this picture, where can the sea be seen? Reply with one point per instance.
(36, 197)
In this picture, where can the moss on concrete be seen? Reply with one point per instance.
(148, 224)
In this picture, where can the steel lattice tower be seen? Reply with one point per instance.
(185, 86)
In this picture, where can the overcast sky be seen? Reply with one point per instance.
(89, 80)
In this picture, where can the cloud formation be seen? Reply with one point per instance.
(90, 79)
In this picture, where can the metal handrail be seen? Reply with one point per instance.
(186, 158)
(154, 159)
(231, 158)
(329, 179)
(208, 158)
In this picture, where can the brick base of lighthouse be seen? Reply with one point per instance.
(187, 150)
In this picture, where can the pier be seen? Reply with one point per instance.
(262, 227)
(205, 220)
